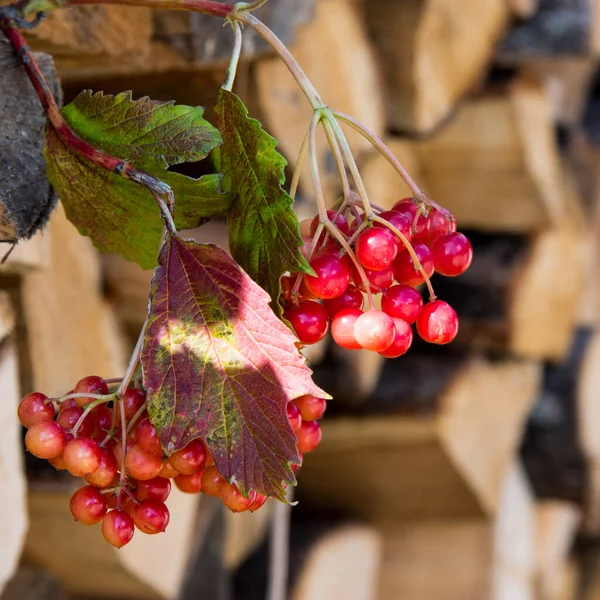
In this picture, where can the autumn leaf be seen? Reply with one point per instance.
(264, 233)
(220, 366)
(117, 214)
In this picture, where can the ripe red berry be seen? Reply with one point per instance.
(311, 408)
(452, 254)
(438, 323)
(117, 528)
(402, 302)
(150, 516)
(379, 280)
(82, 456)
(408, 207)
(332, 275)
(309, 321)
(102, 417)
(439, 224)
(259, 501)
(68, 418)
(340, 222)
(233, 499)
(191, 459)
(405, 271)
(167, 471)
(88, 505)
(45, 439)
(342, 328)
(91, 385)
(58, 463)
(376, 248)
(118, 448)
(106, 473)
(157, 488)
(147, 438)
(351, 298)
(190, 484)
(403, 338)
(294, 416)
(401, 222)
(133, 399)
(421, 228)
(374, 330)
(212, 482)
(35, 408)
(309, 436)
(141, 465)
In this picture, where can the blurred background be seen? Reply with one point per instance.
(465, 472)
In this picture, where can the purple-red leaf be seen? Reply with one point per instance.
(220, 366)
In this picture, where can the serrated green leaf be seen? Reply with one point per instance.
(118, 215)
(264, 233)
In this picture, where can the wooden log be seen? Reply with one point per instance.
(449, 462)
(347, 80)
(495, 165)
(432, 53)
(522, 9)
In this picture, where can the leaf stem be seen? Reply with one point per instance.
(235, 55)
(133, 362)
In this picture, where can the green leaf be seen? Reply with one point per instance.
(264, 233)
(220, 366)
(121, 216)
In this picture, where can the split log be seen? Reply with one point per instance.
(495, 165)
(447, 462)
(336, 54)
(432, 54)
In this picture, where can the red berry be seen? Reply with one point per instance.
(35, 408)
(342, 328)
(150, 516)
(259, 501)
(403, 338)
(190, 484)
(374, 330)
(133, 399)
(68, 418)
(380, 280)
(212, 482)
(141, 465)
(421, 228)
(452, 254)
(311, 408)
(376, 248)
(106, 473)
(157, 488)
(88, 505)
(438, 323)
(408, 207)
(340, 222)
(439, 224)
(332, 275)
(405, 271)
(351, 298)
(102, 417)
(45, 439)
(167, 471)
(58, 463)
(294, 416)
(401, 222)
(147, 438)
(91, 385)
(309, 436)
(309, 321)
(233, 499)
(402, 302)
(191, 459)
(117, 528)
(305, 225)
(70, 403)
(118, 448)
(82, 456)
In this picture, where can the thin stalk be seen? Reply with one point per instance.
(87, 411)
(251, 5)
(235, 55)
(216, 9)
(122, 475)
(133, 362)
(298, 167)
(135, 417)
(75, 395)
(337, 155)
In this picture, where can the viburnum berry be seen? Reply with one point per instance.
(150, 516)
(437, 323)
(332, 275)
(374, 330)
(339, 221)
(309, 436)
(82, 456)
(106, 473)
(232, 498)
(376, 248)
(190, 484)
(212, 482)
(404, 268)
(167, 470)
(294, 416)
(117, 528)
(140, 464)
(46, 439)
(88, 505)
(147, 438)
(439, 224)
(379, 280)
(91, 385)
(191, 459)
(133, 400)
(342, 328)
(102, 417)
(157, 488)
(309, 321)
(402, 302)
(35, 408)
(259, 500)
(400, 221)
(311, 408)
(403, 338)
(452, 254)
(351, 298)
(68, 418)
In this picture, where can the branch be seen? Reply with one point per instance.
(161, 192)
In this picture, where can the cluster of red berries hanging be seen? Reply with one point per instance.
(83, 434)
(383, 261)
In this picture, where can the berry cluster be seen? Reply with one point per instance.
(127, 488)
(370, 258)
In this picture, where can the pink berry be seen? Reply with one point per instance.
(309, 436)
(351, 298)
(405, 271)
(408, 207)
(400, 221)
(332, 275)
(309, 321)
(374, 330)
(452, 254)
(376, 248)
(342, 328)
(438, 323)
(379, 280)
(35, 408)
(402, 302)
(439, 224)
(403, 338)
(294, 416)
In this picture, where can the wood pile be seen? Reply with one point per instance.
(470, 471)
